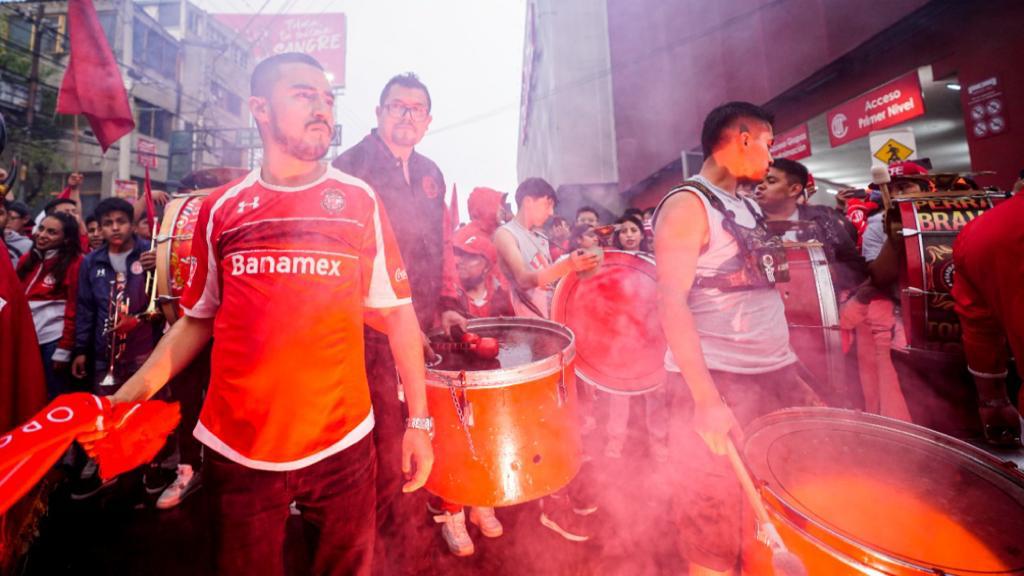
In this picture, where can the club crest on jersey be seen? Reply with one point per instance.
(430, 187)
(332, 200)
(401, 275)
(136, 268)
(49, 281)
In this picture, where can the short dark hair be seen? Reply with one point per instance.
(109, 205)
(52, 204)
(722, 117)
(91, 218)
(796, 173)
(407, 80)
(265, 74)
(590, 209)
(19, 207)
(535, 188)
(633, 212)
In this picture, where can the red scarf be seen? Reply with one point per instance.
(136, 432)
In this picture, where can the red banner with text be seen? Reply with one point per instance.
(322, 36)
(793, 144)
(883, 107)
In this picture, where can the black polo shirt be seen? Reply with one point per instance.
(416, 211)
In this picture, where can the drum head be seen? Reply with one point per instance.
(527, 348)
(614, 313)
(889, 493)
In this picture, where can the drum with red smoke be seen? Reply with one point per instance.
(858, 494)
(614, 314)
(506, 425)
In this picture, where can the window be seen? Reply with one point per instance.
(153, 51)
(226, 99)
(108, 20)
(193, 17)
(153, 121)
(19, 31)
(52, 39)
(169, 14)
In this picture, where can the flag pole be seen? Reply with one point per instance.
(74, 154)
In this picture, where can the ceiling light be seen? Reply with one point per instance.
(953, 86)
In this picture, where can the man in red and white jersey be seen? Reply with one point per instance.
(289, 262)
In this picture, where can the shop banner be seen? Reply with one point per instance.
(147, 153)
(322, 36)
(881, 108)
(986, 109)
(127, 189)
(793, 144)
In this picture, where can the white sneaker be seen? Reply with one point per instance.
(186, 483)
(485, 519)
(455, 534)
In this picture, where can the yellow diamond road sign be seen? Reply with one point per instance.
(893, 151)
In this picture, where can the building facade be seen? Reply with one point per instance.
(627, 120)
(186, 75)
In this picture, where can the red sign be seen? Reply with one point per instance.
(147, 153)
(985, 108)
(792, 144)
(322, 36)
(883, 107)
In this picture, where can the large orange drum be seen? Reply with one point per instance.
(174, 251)
(930, 226)
(506, 429)
(812, 313)
(855, 493)
(614, 315)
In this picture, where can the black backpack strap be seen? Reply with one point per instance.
(700, 188)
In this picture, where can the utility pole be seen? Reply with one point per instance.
(33, 76)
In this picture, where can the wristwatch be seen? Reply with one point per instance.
(426, 424)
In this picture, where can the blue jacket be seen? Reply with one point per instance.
(94, 278)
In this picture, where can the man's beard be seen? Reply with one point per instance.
(295, 146)
(404, 137)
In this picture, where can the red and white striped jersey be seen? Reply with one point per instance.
(286, 274)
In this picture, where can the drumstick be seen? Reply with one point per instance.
(784, 562)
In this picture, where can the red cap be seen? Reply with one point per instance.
(469, 239)
(907, 169)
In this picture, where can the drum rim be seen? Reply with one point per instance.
(831, 538)
(504, 377)
(558, 310)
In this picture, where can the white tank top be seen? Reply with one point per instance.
(743, 331)
(536, 253)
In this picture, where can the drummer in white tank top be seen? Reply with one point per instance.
(740, 332)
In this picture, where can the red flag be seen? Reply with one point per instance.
(22, 384)
(135, 433)
(454, 217)
(150, 207)
(92, 85)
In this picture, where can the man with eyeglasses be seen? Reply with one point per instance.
(412, 189)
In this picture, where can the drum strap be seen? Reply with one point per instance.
(762, 253)
(526, 300)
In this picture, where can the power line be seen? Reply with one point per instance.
(174, 85)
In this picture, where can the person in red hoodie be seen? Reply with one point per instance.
(49, 275)
(487, 211)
